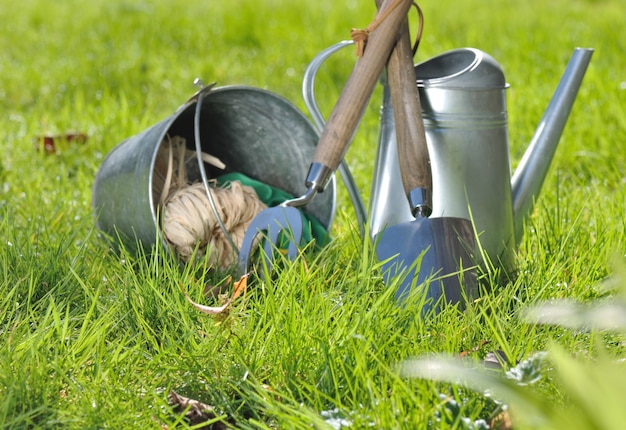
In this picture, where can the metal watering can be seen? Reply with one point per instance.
(463, 99)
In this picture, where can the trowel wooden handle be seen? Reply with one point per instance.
(412, 149)
(348, 110)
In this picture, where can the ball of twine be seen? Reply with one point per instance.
(188, 222)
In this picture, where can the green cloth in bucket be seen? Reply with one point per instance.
(271, 196)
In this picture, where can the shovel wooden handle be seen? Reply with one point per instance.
(348, 110)
(412, 149)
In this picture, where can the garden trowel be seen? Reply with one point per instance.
(430, 253)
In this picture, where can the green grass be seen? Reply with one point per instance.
(91, 339)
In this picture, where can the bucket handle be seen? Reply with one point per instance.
(203, 175)
(308, 93)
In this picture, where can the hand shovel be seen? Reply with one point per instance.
(337, 133)
(444, 244)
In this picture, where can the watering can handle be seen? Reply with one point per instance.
(413, 155)
(348, 110)
(308, 93)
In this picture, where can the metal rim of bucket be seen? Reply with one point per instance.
(123, 200)
(288, 107)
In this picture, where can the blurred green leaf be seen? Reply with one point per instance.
(595, 391)
(528, 405)
(610, 315)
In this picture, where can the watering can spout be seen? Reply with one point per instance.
(531, 171)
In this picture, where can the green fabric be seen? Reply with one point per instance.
(271, 196)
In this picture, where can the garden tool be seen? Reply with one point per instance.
(438, 248)
(463, 103)
(338, 131)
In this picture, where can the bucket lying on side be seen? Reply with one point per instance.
(253, 131)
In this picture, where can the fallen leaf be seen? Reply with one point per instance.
(196, 412)
(495, 360)
(502, 421)
(48, 142)
(474, 349)
(239, 288)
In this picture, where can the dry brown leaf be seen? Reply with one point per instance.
(239, 288)
(49, 141)
(474, 349)
(495, 360)
(502, 421)
(195, 411)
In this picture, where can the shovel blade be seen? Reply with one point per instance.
(271, 223)
(445, 246)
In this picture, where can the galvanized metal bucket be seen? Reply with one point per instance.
(253, 131)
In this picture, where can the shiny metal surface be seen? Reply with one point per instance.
(253, 131)
(388, 204)
(465, 119)
(532, 169)
(318, 176)
(281, 221)
(308, 93)
(463, 97)
(464, 111)
(433, 257)
(419, 199)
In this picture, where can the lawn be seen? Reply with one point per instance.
(95, 338)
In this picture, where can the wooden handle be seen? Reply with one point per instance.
(348, 110)
(412, 149)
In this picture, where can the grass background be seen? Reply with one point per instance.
(91, 339)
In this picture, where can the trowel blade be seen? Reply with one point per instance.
(445, 246)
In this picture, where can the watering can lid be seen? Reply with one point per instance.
(464, 68)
